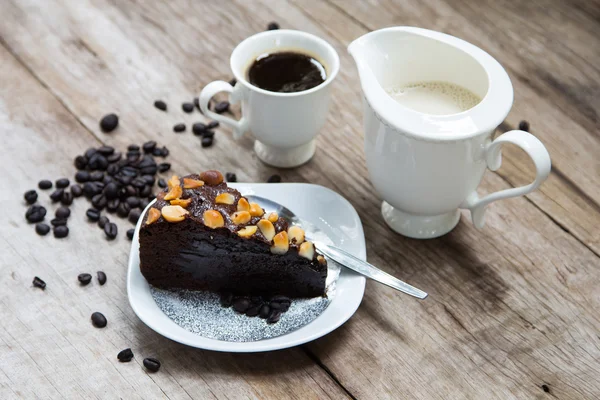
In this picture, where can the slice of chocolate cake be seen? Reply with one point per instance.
(202, 234)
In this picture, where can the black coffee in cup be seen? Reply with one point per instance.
(286, 72)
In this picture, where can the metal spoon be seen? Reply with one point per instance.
(340, 256)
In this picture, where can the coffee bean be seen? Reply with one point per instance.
(546, 388)
(61, 231)
(221, 107)
(208, 134)
(30, 196)
(274, 317)
(107, 179)
(254, 310)
(62, 212)
(163, 167)
(105, 150)
(89, 189)
(123, 210)
(98, 162)
(226, 298)
(110, 230)
(112, 169)
(90, 152)
(62, 183)
(133, 147)
(98, 320)
(187, 107)
(113, 158)
(146, 191)
(76, 190)
(283, 307)
(111, 191)
(130, 191)
(67, 199)
(274, 179)
(45, 184)
(103, 221)
(524, 126)
(197, 103)
(82, 176)
(198, 128)
(134, 215)
(93, 214)
(58, 221)
(109, 123)
(161, 105)
(146, 161)
(130, 233)
(162, 183)
(144, 204)
(151, 197)
(125, 180)
(84, 279)
(112, 205)
(212, 124)
(264, 311)
(207, 141)
(37, 282)
(230, 177)
(133, 201)
(99, 201)
(35, 213)
(101, 277)
(149, 179)
(138, 183)
(152, 364)
(232, 81)
(129, 171)
(149, 146)
(179, 128)
(42, 229)
(241, 304)
(57, 195)
(164, 151)
(96, 176)
(80, 162)
(273, 26)
(125, 355)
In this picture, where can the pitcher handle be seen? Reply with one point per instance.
(493, 157)
(236, 94)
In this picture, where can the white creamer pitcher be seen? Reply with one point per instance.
(426, 167)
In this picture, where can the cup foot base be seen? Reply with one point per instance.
(285, 158)
(419, 226)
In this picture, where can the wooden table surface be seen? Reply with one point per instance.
(513, 310)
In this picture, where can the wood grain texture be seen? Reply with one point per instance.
(511, 307)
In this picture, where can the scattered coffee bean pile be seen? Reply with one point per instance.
(151, 363)
(269, 308)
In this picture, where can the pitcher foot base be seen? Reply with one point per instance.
(285, 158)
(419, 226)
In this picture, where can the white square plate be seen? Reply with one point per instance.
(329, 212)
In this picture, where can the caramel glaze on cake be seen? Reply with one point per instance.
(202, 234)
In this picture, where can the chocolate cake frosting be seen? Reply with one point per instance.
(202, 234)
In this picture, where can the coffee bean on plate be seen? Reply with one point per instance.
(524, 126)
(274, 179)
(212, 124)
(198, 128)
(130, 233)
(93, 214)
(62, 183)
(241, 304)
(67, 198)
(162, 183)
(42, 229)
(37, 282)
(161, 105)
(152, 364)
(61, 231)
(58, 222)
(273, 26)
(76, 190)
(30, 196)
(149, 146)
(207, 141)
(125, 355)
(274, 316)
(109, 123)
(264, 311)
(98, 320)
(221, 107)
(110, 230)
(163, 167)
(80, 162)
(230, 177)
(187, 107)
(179, 128)
(103, 221)
(254, 310)
(44, 184)
(35, 213)
(101, 277)
(134, 215)
(84, 279)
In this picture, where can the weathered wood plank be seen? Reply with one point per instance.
(48, 348)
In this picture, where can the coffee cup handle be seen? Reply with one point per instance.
(493, 157)
(235, 96)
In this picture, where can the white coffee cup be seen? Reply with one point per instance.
(426, 167)
(284, 124)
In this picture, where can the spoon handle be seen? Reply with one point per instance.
(364, 268)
